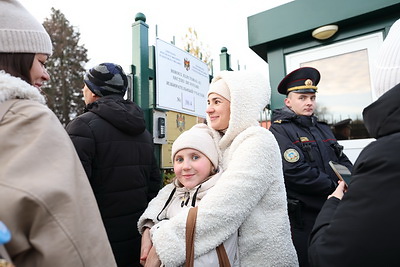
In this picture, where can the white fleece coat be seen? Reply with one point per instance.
(182, 201)
(250, 194)
(45, 197)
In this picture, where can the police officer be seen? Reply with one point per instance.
(307, 145)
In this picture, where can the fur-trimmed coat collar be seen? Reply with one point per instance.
(15, 88)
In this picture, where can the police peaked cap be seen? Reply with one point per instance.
(302, 80)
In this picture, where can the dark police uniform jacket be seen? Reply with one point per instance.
(307, 146)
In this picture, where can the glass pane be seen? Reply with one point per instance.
(343, 92)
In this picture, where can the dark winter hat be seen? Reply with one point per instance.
(106, 79)
(302, 80)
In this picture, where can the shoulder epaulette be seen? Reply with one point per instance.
(280, 121)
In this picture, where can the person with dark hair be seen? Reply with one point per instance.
(45, 198)
(307, 145)
(359, 224)
(117, 153)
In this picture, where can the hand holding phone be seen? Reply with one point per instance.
(341, 171)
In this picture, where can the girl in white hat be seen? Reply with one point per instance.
(196, 166)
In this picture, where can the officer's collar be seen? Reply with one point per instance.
(307, 121)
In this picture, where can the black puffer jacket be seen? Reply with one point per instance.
(117, 153)
(363, 228)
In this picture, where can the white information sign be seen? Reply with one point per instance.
(182, 80)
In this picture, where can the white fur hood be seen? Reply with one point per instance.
(15, 88)
(250, 92)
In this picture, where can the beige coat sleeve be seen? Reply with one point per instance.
(46, 199)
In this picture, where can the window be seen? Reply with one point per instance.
(345, 86)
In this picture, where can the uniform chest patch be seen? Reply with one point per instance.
(291, 155)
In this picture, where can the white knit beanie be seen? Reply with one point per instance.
(387, 68)
(199, 137)
(219, 86)
(20, 32)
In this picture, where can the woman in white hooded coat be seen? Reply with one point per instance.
(250, 194)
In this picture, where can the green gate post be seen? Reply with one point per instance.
(140, 66)
(143, 64)
(224, 59)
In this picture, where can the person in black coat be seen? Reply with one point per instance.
(117, 153)
(307, 145)
(363, 229)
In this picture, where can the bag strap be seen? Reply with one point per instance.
(5, 106)
(190, 230)
(222, 256)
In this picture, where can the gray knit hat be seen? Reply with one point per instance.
(106, 79)
(20, 32)
(198, 137)
(387, 68)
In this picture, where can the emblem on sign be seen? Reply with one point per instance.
(291, 155)
(180, 122)
(186, 63)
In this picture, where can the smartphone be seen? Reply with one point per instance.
(341, 171)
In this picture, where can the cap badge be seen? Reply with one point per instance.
(308, 82)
